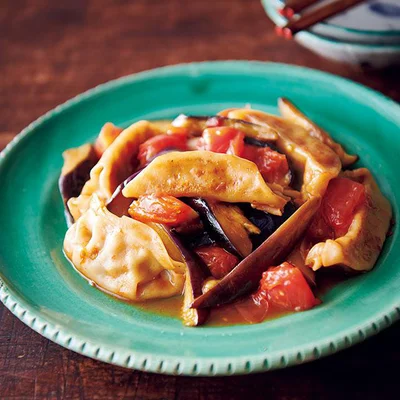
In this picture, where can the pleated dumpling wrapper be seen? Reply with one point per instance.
(114, 166)
(290, 112)
(360, 247)
(316, 162)
(215, 176)
(122, 256)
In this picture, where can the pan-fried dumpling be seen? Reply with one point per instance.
(115, 165)
(290, 112)
(122, 256)
(206, 174)
(360, 247)
(310, 157)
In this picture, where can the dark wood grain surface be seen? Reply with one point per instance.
(53, 50)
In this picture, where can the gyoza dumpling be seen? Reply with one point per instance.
(316, 162)
(122, 256)
(115, 165)
(290, 112)
(215, 176)
(360, 247)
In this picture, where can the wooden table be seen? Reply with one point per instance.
(51, 51)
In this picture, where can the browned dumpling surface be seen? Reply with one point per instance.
(215, 176)
(122, 256)
(316, 162)
(113, 167)
(290, 112)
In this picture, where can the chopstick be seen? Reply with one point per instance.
(292, 7)
(313, 17)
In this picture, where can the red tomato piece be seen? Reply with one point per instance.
(223, 140)
(107, 135)
(151, 147)
(161, 209)
(218, 260)
(253, 309)
(272, 165)
(177, 130)
(285, 287)
(340, 202)
(342, 198)
(319, 229)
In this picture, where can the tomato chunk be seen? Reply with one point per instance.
(272, 165)
(285, 287)
(223, 140)
(109, 132)
(218, 260)
(151, 147)
(339, 205)
(161, 209)
(177, 130)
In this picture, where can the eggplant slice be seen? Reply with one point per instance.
(235, 225)
(196, 274)
(265, 222)
(118, 203)
(246, 276)
(75, 173)
(211, 224)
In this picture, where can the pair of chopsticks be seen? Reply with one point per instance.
(298, 22)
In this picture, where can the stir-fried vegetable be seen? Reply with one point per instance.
(204, 206)
(285, 287)
(155, 145)
(219, 261)
(246, 275)
(338, 207)
(165, 209)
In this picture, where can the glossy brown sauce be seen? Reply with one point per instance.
(220, 316)
(328, 278)
(238, 313)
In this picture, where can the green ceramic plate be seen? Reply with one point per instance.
(42, 289)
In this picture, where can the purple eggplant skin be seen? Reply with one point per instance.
(118, 203)
(266, 222)
(196, 272)
(246, 276)
(211, 224)
(71, 184)
(260, 143)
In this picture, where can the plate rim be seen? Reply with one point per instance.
(188, 365)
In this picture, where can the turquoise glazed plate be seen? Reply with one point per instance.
(43, 290)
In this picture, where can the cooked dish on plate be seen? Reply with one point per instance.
(234, 215)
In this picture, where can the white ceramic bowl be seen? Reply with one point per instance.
(372, 22)
(365, 55)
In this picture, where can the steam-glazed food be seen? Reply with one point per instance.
(235, 213)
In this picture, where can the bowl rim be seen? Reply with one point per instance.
(361, 32)
(371, 47)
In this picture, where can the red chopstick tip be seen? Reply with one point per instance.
(286, 12)
(289, 12)
(279, 30)
(287, 33)
(284, 32)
